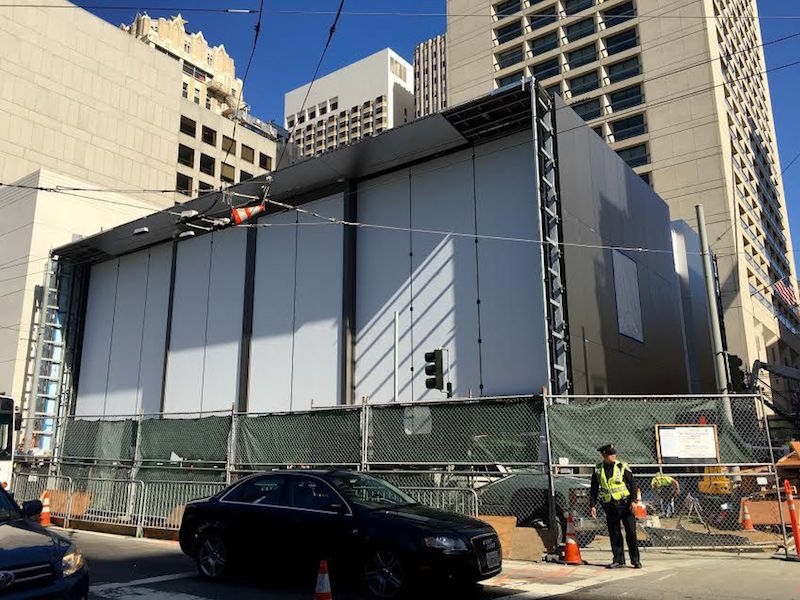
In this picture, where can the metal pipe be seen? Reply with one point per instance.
(396, 356)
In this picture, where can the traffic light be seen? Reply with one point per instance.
(434, 368)
(737, 383)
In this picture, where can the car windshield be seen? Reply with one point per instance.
(8, 510)
(368, 492)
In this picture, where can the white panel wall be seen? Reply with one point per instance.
(97, 339)
(126, 338)
(270, 382)
(444, 272)
(224, 322)
(383, 264)
(318, 308)
(513, 348)
(151, 370)
(184, 381)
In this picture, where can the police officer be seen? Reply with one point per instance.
(612, 484)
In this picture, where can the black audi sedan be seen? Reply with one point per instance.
(361, 525)
(35, 562)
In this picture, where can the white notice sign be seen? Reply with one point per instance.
(690, 443)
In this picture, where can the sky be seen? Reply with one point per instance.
(290, 45)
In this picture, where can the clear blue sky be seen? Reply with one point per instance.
(290, 45)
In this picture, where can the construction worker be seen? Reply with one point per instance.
(613, 485)
(667, 488)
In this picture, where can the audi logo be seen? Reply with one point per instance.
(6, 579)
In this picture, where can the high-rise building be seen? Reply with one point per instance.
(679, 91)
(430, 76)
(357, 101)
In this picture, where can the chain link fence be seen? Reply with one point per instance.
(530, 458)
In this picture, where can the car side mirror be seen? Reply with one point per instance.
(31, 508)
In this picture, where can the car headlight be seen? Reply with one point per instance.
(446, 543)
(72, 561)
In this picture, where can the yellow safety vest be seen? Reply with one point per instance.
(614, 488)
(660, 481)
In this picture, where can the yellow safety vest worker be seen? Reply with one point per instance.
(614, 488)
(660, 481)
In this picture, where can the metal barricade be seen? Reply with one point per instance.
(463, 501)
(164, 501)
(109, 501)
(32, 486)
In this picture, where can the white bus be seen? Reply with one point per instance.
(8, 424)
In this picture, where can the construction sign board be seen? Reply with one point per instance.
(687, 444)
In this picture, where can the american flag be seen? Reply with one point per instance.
(786, 292)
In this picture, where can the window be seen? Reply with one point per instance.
(203, 185)
(598, 130)
(542, 44)
(584, 83)
(244, 175)
(505, 9)
(587, 110)
(575, 6)
(628, 128)
(228, 145)
(626, 98)
(619, 14)
(645, 177)
(185, 92)
(580, 29)
(188, 126)
(301, 118)
(509, 57)
(323, 110)
(621, 42)
(197, 95)
(210, 59)
(311, 493)
(209, 136)
(635, 156)
(264, 161)
(334, 104)
(509, 79)
(623, 70)
(185, 155)
(248, 154)
(546, 69)
(397, 69)
(312, 114)
(626, 288)
(227, 173)
(187, 46)
(183, 184)
(582, 56)
(207, 164)
(290, 123)
(208, 102)
(554, 90)
(267, 490)
(509, 32)
(543, 18)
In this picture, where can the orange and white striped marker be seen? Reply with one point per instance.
(44, 516)
(240, 215)
(323, 582)
(747, 520)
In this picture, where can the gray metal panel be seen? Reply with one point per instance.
(126, 339)
(97, 339)
(151, 370)
(224, 321)
(273, 315)
(383, 287)
(184, 382)
(318, 308)
(514, 343)
(444, 272)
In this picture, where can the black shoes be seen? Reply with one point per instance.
(637, 565)
(615, 565)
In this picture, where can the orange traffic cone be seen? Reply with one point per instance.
(639, 510)
(572, 553)
(44, 516)
(747, 520)
(323, 582)
(240, 215)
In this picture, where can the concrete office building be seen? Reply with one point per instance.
(85, 105)
(669, 86)
(360, 100)
(430, 76)
(446, 203)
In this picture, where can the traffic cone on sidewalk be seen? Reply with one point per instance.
(639, 510)
(323, 582)
(44, 516)
(747, 520)
(572, 553)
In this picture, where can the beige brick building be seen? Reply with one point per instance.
(83, 104)
(668, 86)
(430, 76)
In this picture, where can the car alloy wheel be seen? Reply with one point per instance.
(383, 574)
(212, 557)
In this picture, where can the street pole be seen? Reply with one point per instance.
(396, 356)
(713, 314)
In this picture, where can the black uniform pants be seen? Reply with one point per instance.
(620, 513)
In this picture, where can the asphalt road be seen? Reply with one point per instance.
(124, 568)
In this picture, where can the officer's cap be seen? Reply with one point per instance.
(607, 449)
